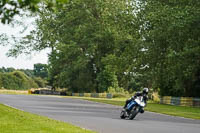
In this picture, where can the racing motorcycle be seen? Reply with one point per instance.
(133, 108)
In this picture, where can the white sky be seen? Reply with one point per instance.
(23, 61)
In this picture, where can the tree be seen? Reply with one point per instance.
(97, 44)
(10, 8)
(170, 39)
(1, 84)
(40, 70)
(40, 82)
(28, 72)
(16, 80)
(83, 36)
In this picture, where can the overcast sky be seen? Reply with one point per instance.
(21, 62)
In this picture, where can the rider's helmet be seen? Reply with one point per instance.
(145, 91)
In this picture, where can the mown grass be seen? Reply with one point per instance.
(16, 121)
(3, 91)
(181, 111)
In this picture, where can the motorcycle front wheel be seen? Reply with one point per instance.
(122, 114)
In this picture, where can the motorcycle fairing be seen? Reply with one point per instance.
(130, 105)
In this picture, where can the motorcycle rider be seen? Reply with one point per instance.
(144, 93)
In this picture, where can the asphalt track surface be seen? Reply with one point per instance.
(99, 117)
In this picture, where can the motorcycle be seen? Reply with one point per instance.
(133, 108)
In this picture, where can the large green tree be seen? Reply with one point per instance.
(101, 44)
(171, 45)
(85, 37)
(40, 70)
(10, 8)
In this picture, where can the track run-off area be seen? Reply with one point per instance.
(99, 117)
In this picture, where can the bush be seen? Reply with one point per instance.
(25, 81)
(116, 90)
(120, 95)
(10, 82)
(17, 80)
(155, 97)
(111, 90)
(1, 84)
(40, 82)
(66, 92)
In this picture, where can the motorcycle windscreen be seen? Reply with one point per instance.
(130, 105)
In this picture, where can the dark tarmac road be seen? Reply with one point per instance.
(102, 118)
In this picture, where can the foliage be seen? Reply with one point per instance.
(10, 8)
(120, 95)
(129, 44)
(25, 78)
(107, 80)
(40, 82)
(17, 80)
(82, 37)
(1, 83)
(28, 72)
(40, 70)
(3, 69)
(155, 97)
(171, 44)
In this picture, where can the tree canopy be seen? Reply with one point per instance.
(171, 31)
(101, 45)
(20, 79)
(10, 8)
(40, 70)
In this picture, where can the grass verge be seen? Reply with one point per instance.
(16, 121)
(181, 111)
(2, 91)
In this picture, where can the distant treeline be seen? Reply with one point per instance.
(21, 79)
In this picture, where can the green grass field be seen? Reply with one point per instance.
(187, 112)
(16, 121)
